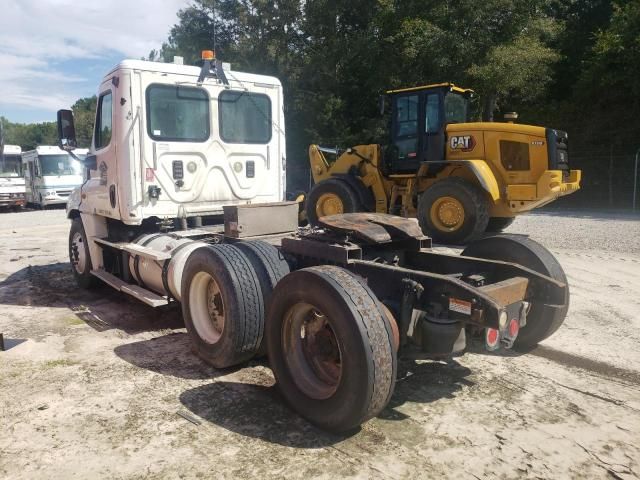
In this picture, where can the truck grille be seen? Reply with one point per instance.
(63, 193)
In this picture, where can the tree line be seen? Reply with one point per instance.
(31, 135)
(566, 64)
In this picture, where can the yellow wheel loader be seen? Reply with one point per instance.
(459, 178)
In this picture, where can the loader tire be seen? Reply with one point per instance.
(498, 224)
(330, 347)
(453, 211)
(222, 305)
(542, 320)
(270, 267)
(331, 197)
(79, 256)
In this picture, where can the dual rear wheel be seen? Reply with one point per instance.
(329, 340)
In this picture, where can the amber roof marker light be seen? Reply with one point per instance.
(208, 55)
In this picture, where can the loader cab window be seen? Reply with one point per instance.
(178, 113)
(245, 117)
(406, 126)
(104, 121)
(456, 108)
(432, 118)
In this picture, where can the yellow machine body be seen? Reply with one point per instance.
(473, 152)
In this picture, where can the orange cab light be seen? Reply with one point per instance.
(208, 55)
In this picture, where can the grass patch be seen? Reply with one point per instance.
(74, 320)
(61, 362)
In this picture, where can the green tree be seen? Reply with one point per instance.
(84, 113)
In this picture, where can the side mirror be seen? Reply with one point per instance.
(66, 131)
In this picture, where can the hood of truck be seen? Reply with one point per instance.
(533, 130)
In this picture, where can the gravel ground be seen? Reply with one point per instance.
(93, 384)
(594, 231)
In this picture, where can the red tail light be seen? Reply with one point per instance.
(514, 328)
(492, 338)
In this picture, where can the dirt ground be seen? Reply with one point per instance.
(93, 384)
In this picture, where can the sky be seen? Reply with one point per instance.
(53, 52)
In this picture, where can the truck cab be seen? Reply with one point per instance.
(168, 144)
(11, 180)
(50, 175)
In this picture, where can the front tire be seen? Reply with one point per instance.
(542, 320)
(79, 256)
(330, 347)
(331, 197)
(453, 211)
(222, 305)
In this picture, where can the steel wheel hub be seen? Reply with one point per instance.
(207, 307)
(447, 214)
(312, 351)
(78, 254)
(329, 204)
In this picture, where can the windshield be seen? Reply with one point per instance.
(11, 166)
(456, 108)
(59, 165)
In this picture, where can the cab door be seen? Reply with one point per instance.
(100, 188)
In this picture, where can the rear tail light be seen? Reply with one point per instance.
(492, 339)
(514, 328)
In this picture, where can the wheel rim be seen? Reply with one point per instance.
(447, 214)
(207, 307)
(329, 204)
(312, 351)
(78, 254)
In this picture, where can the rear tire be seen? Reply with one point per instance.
(270, 267)
(498, 224)
(330, 347)
(542, 320)
(222, 305)
(330, 197)
(453, 211)
(79, 256)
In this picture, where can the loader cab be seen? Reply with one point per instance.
(419, 117)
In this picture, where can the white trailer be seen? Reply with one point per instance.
(51, 174)
(187, 172)
(12, 191)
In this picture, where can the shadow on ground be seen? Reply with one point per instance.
(169, 355)
(258, 410)
(101, 308)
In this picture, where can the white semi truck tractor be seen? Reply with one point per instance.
(12, 189)
(183, 202)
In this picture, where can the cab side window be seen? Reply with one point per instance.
(104, 121)
(432, 120)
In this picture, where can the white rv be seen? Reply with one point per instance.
(50, 175)
(11, 179)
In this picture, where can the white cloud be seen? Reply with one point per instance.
(37, 36)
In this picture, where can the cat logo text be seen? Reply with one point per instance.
(464, 143)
